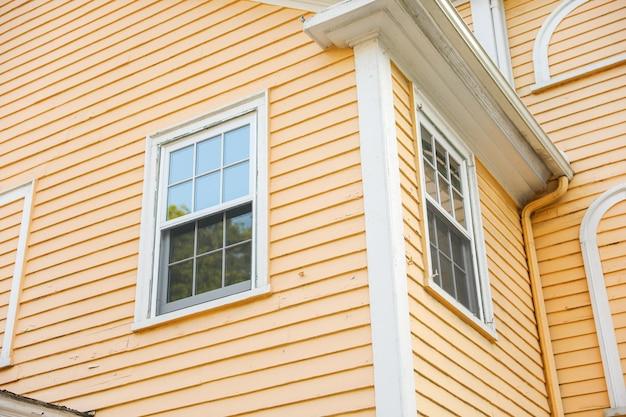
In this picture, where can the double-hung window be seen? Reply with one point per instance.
(451, 208)
(204, 220)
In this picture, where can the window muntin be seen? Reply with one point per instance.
(450, 235)
(206, 216)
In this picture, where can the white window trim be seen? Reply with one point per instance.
(426, 114)
(25, 192)
(147, 279)
(613, 372)
(490, 30)
(541, 64)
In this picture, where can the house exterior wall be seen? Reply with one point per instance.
(465, 11)
(81, 85)
(584, 117)
(458, 371)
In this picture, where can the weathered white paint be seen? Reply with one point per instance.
(25, 192)
(599, 299)
(394, 386)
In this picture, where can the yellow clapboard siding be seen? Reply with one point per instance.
(80, 90)
(456, 368)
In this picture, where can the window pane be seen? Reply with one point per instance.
(444, 194)
(181, 242)
(427, 147)
(463, 294)
(442, 165)
(235, 182)
(434, 265)
(447, 280)
(179, 200)
(455, 174)
(210, 234)
(442, 238)
(238, 225)
(431, 186)
(458, 250)
(459, 208)
(209, 155)
(236, 145)
(207, 190)
(181, 164)
(238, 264)
(180, 281)
(209, 272)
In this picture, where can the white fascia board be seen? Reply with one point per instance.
(427, 39)
(308, 5)
(14, 406)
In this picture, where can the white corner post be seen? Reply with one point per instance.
(490, 30)
(394, 384)
(613, 373)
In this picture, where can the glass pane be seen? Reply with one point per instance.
(238, 264)
(209, 155)
(442, 165)
(432, 230)
(447, 280)
(178, 200)
(181, 164)
(434, 265)
(210, 233)
(458, 250)
(442, 238)
(207, 190)
(462, 290)
(209, 272)
(444, 194)
(459, 208)
(236, 145)
(181, 242)
(238, 225)
(235, 182)
(427, 147)
(180, 281)
(431, 186)
(455, 174)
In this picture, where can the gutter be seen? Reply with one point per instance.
(547, 354)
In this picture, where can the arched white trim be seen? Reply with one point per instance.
(599, 299)
(542, 43)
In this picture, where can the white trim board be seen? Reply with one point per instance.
(490, 30)
(599, 298)
(394, 384)
(541, 64)
(145, 314)
(24, 192)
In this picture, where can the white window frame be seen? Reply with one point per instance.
(446, 136)
(24, 192)
(158, 147)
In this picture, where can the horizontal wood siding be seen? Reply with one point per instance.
(585, 118)
(458, 372)
(590, 33)
(612, 247)
(81, 85)
(465, 11)
(10, 220)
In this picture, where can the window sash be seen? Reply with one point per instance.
(158, 304)
(468, 231)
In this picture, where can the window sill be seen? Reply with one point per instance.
(254, 293)
(486, 330)
(615, 412)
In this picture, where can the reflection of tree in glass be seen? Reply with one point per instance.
(180, 280)
(174, 211)
(238, 263)
(209, 272)
(181, 242)
(238, 226)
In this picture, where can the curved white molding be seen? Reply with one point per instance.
(543, 79)
(599, 299)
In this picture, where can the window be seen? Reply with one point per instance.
(207, 233)
(452, 213)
